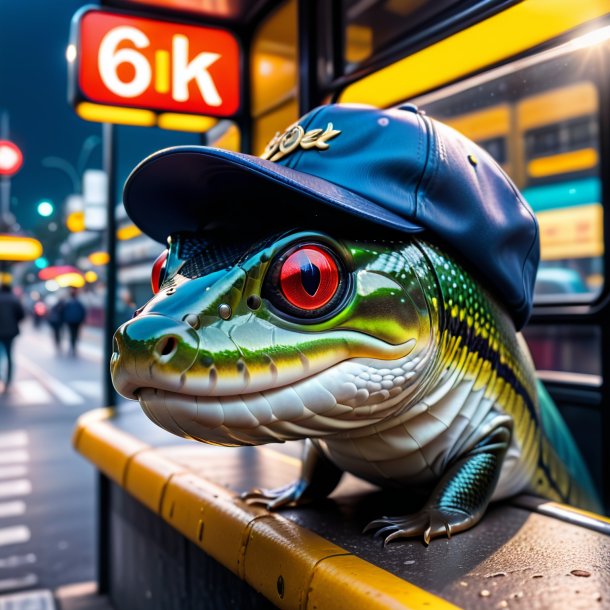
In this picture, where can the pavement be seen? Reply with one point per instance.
(47, 491)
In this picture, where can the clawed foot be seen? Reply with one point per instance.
(430, 522)
(291, 494)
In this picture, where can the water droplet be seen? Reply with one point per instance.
(495, 575)
(582, 573)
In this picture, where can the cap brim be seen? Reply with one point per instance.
(193, 188)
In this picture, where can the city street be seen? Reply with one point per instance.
(47, 491)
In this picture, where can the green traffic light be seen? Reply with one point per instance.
(45, 208)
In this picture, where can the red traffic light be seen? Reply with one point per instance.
(11, 158)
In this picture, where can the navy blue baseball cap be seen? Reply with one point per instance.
(394, 168)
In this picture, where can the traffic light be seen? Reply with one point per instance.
(45, 208)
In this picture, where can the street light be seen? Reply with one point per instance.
(45, 208)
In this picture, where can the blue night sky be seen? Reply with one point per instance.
(34, 35)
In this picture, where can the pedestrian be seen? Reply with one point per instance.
(11, 313)
(73, 315)
(55, 320)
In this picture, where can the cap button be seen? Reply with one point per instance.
(409, 107)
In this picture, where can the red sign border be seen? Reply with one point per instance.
(18, 165)
(77, 96)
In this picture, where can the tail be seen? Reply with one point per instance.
(562, 460)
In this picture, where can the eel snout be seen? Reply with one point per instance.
(152, 351)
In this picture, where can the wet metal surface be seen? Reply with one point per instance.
(514, 558)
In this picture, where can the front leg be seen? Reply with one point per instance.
(319, 476)
(461, 496)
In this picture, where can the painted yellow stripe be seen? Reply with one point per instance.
(292, 566)
(557, 105)
(484, 124)
(578, 511)
(573, 161)
(107, 447)
(514, 30)
(162, 71)
(367, 587)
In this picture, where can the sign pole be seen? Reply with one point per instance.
(109, 394)
(109, 135)
(5, 181)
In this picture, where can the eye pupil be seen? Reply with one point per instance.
(310, 277)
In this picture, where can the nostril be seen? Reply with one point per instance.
(166, 348)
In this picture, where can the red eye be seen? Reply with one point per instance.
(309, 278)
(158, 271)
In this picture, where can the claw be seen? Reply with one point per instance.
(383, 530)
(429, 523)
(427, 535)
(376, 523)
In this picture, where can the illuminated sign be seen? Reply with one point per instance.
(18, 248)
(139, 63)
(11, 158)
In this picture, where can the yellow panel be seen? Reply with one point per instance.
(573, 161)
(273, 67)
(229, 140)
(147, 476)
(112, 114)
(281, 558)
(359, 43)
(484, 124)
(557, 105)
(186, 122)
(268, 125)
(575, 232)
(350, 583)
(512, 31)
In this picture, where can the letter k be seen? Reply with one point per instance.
(197, 69)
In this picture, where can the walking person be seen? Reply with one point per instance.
(73, 315)
(55, 320)
(11, 313)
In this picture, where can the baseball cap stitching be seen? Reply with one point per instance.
(424, 137)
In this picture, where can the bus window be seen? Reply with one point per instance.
(567, 348)
(539, 118)
(225, 135)
(274, 75)
(371, 26)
